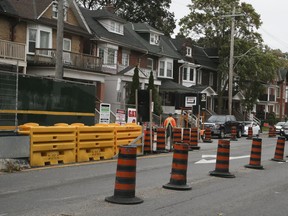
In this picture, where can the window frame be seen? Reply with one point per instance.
(55, 10)
(189, 51)
(38, 29)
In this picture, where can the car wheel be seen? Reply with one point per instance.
(239, 134)
(222, 134)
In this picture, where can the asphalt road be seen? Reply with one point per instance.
(81, 189)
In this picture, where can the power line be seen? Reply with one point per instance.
(276, 39)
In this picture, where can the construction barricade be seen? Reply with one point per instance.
(126, 134)
(186, 135)
(52, 145)
(148, 139)
(95, 143)
(177, 135)
(25, 128)
(160, 140)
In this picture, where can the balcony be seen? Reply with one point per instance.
(12, 53)
(73, 60)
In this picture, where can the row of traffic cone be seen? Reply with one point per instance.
(124, 191)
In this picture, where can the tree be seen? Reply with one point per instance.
(208, 22)
(135, 85)
(155, 95)
(155, 12)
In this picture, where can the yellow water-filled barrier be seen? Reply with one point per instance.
(25, 128)
(126, 134)
(52, 145)
(95, 143)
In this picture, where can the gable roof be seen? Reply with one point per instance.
(145, 27)
(32, 10)
(202, 58)
(161, 50)
(6, 7)
(101, 33)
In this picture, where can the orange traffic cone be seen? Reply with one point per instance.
(233, 133)
(194, 139)
(222, 160)
(250, 133)
(279, 151)
(124, 191)
(161, 140)
(207, 135)
(255, 157)
(179, 168)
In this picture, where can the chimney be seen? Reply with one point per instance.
(110, 8)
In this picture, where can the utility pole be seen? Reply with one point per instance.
(231, 62)
(59, 48)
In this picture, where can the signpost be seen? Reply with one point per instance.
(104, 113)
(131, 118)
(120, 116)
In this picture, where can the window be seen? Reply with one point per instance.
(108, 54)
(162, 68)
(154, 39)
(66, 50)
(165, 68)
(39, 37)
(191, 74)
(185, 77)
(116, 27)
(169, 69)
(125, 58)
(199, 77)
(32, 40)
(150, 64)
(101, 54)
(188, 74)
(188, 51)
(111, 56)
(211, 77)
(55, 10)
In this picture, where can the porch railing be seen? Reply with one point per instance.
(70, 59)
(12, 50)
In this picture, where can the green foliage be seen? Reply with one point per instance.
(155, 12)
(135, 85)
(253, 63)
(155, 95)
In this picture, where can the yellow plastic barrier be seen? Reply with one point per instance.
(25, 128)
(61, 124)
(126, 134)
(52, 145)
(95, 143)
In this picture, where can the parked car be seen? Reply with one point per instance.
(278, 127)
(221, 125)
(284, 130)
(256, 129)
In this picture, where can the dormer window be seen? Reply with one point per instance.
(55, 9)
(189, 51)
(116, 27)
(154, 39)
(113, 26)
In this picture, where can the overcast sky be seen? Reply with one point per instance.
(274, 15)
